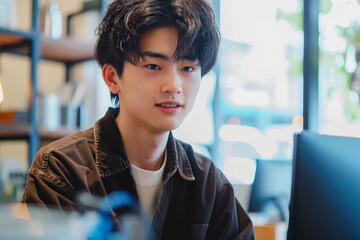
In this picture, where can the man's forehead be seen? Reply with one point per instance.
(163, 43)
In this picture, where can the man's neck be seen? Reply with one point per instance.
(144, 148)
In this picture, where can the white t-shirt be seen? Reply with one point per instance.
(148, 184)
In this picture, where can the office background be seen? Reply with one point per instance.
(275, 76)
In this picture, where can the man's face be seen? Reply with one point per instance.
(158, 92)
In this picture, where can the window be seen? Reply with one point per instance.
(339, 69)
(260, 84)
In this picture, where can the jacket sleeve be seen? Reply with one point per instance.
(229, 220)
(45, 185)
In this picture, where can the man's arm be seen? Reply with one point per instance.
(45, 192)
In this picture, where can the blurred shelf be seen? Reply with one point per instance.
(52, 135)
(65, 49)
(37, 47)
(12, 39)
(14, 131)
(22, 132)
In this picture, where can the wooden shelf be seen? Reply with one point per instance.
(52, 135)
(12, 37)
(14, 131)
(65, 50)
(22, 132)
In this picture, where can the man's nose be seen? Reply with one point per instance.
(172, 83)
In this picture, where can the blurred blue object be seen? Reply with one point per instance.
(94, 220)
(134, 225)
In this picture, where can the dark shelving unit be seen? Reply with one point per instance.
(34, 45)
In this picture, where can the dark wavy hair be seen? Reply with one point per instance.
(125, 21)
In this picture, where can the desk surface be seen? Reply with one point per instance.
(18, 216)
(273, 231)
(16, 224)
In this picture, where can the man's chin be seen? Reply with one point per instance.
(169, 127)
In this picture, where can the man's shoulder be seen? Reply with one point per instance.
(64, 149)
(60, 162)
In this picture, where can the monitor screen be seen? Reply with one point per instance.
(325, 197)
(270, 193)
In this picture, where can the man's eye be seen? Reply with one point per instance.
(188, 69)
(153, 67)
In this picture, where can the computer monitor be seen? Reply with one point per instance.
(325, 197)
(270, 193)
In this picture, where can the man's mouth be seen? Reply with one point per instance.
(168, 105)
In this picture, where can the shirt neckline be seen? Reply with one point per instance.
(147, 177)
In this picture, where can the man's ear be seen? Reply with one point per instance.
(111, 78)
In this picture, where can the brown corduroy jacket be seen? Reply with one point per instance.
(196, 200)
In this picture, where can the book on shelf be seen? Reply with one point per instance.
(13, 117)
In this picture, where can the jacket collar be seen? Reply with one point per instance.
(111, 157)
(178, 159)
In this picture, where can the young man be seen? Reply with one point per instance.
(153, 54)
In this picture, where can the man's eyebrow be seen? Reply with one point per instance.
(164, 57)
(154, 55)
